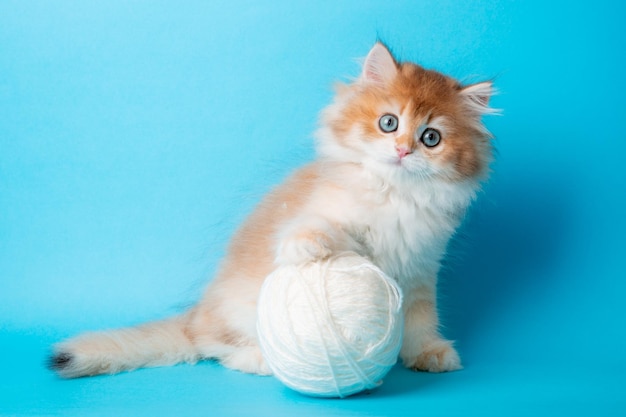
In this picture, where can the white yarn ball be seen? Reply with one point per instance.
(330, 328)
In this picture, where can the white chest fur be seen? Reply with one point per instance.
(403, 225)
(406, 231)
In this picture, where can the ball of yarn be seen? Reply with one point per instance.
(330, 328)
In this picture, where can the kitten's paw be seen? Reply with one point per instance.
(247, 359)
(438, 356)
(304, 247)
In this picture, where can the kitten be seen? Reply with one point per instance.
(402, 152)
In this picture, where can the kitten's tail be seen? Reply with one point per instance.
(157, 343)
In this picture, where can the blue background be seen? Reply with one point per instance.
(135, 135)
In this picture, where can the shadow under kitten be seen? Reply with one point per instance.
(501, 255)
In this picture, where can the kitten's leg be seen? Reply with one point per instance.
(423, 349)
(240, 353)
(225, 330)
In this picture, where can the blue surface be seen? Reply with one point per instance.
(134, 136)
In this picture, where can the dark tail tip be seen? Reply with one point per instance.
(59, 361)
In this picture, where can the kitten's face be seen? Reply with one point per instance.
(403, 119)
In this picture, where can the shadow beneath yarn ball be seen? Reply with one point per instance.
(503, 253)
(400, 381)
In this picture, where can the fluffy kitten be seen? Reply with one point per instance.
(402, 152)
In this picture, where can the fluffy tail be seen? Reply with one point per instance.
(158, 343)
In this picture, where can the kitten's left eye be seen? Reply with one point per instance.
(388, 123)
(431, 137)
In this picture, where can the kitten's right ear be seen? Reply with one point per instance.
(379, 67)
(477, 97)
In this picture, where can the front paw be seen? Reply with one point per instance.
(304, 247)
(437, 356)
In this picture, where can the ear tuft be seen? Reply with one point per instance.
(477, 97)
(379, 67)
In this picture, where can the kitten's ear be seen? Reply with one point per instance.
(379, 67)
(477, 97)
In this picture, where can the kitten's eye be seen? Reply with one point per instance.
(431, 137)
(388, 123)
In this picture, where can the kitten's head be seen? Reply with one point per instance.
(402, 120)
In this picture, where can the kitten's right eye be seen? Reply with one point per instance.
(388, 123)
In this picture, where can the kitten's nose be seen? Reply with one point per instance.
(403, 151)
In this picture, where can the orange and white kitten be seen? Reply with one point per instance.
(401, 154)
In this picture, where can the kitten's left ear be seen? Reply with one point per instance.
(477, 97)
(379, 67)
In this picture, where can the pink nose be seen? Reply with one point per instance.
(402, 151)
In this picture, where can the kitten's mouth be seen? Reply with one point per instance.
(400, 162)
